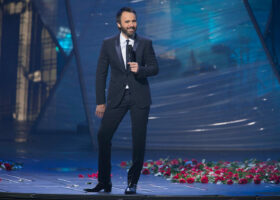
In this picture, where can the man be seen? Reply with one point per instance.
(132, 60)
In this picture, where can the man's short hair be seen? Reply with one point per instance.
(124, 9)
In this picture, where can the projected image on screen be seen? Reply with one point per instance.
(216, 88)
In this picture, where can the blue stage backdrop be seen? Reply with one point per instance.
(216, 88)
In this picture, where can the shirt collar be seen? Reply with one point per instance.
(123, 40)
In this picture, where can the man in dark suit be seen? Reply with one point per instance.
(132, 60)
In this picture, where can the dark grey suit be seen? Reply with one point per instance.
(119, 100)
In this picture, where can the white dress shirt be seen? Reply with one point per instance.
(123, 48)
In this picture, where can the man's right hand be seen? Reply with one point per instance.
(100, 109)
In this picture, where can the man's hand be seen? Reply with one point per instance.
(133, 67)
(100, 109)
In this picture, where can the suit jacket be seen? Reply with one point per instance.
(110, 55)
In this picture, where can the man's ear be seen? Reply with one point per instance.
(119, 25)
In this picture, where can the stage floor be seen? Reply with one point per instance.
(52, 164)
(61, 176)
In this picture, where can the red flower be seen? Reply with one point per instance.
(194, 161)
(146, 171)
(240, 170)
(228, 177)
(250, 176)
(257, 176)
(252, 171)
(161, 170)
(217, 172)
(230, 173)
(81, 176)
(236, 176)
(257, 180)
(182, 180)
(243, 181)
(204, 179)
(229, 182)
(188, 166)
(219, 178)
(193, 169)
(190, 180)
(159, 162)
(224, 170)
(123, 164)
(93, 175)
(176, 176)
(216, 167)
(167, 173)
(8, 166)
(273, 177)
(174, 162)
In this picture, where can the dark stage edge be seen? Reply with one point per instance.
(27, 196)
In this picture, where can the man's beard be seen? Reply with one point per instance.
(127, 33)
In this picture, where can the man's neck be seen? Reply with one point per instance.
(126, 36)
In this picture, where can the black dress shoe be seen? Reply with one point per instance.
(99, 187)
(131, 189)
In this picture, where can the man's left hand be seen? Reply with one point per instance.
(133, 67)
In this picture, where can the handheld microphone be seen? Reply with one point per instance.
(131, 54)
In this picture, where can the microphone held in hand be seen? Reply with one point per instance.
(131, 54)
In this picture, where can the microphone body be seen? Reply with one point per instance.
(131, 54)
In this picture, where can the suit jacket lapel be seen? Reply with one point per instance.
(119, 52)
(136, 42)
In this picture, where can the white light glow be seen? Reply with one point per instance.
(229, 122)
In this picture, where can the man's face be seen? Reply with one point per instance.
(128, 23)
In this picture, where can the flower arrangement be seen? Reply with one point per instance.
(92, 175)
(222, 172)
(9, 165)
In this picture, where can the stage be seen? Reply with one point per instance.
(57, 167)
(216, 98)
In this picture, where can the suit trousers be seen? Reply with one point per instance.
(109, 124)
